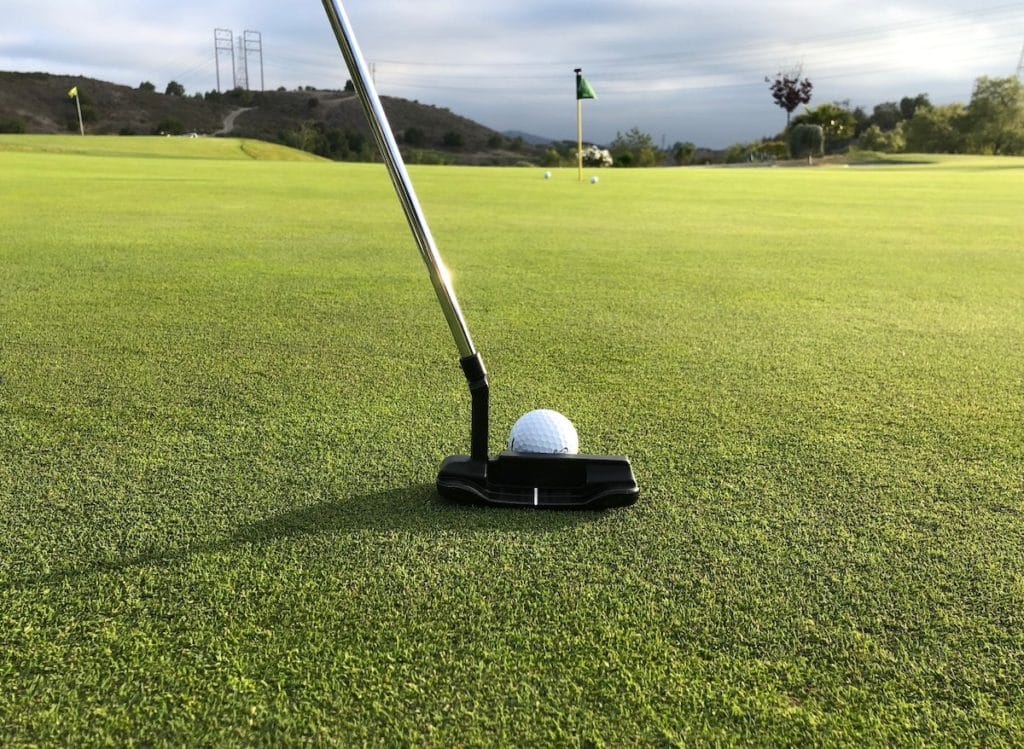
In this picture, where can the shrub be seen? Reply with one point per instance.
(13, 125)
(169, 126)
(452, 139)
(414, 136)
(805, 141)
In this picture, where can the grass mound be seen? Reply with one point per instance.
(175, 147)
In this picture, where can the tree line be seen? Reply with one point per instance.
(992, 122)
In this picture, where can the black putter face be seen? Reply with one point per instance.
(590, 482)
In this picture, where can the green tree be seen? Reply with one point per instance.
(175, 89)
(862, 119)
(682, 153)
(147, 86)
(837, 123)
(995, 116)
(909, 106)
(886, 115)
(633, 148)
(414, 136)
(805, 141)
(936, 129)
(884, 141)
(453, 139)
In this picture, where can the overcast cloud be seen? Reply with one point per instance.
(680, 70)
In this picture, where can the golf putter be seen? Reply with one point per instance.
(590, 482)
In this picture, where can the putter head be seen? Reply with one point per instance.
(580, 482)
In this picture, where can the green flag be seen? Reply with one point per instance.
(583, 89)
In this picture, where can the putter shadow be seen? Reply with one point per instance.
(416, 510)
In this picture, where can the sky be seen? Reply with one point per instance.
(679, 70)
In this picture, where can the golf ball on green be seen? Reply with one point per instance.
(543, 431)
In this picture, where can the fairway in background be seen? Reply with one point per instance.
(225, 389)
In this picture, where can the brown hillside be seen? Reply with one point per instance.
(38, 103)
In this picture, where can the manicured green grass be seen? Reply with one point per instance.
(225, 388)
(176, 147)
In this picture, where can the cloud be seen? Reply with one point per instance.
(689, 70)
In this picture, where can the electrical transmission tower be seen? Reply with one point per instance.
(242, 66)
(223, 41)
(250, 43)
(1020, 65)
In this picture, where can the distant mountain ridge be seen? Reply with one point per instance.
(533, 140)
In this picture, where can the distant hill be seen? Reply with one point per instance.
(330, 123)
(533, 140)
(39, 102)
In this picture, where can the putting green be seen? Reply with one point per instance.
(225, 389)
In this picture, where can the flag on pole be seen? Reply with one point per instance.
(73, 94)
(583, 89)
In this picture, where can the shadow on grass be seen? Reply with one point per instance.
(416, 510)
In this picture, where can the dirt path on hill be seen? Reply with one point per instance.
(229, 121)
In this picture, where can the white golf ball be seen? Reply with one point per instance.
(593, 180)
(543, 431)
(547, 175)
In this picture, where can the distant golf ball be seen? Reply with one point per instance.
(543, 431)
(547, 175)
(593, 180)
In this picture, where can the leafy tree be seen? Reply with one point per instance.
(552, 157)
(995, 116)
(936, 129)
(862, 119)
(633, 148)
(788, 91)
(350, 87)
(175, 89)
(682, 153)
(805, 140)
(886, 115)
(414, 136)
(452, 139)
(836, 123)
(147, 86)
(908, 105)
(884, 141)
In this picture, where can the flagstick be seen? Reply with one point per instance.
(579, 138)
(81, 125)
